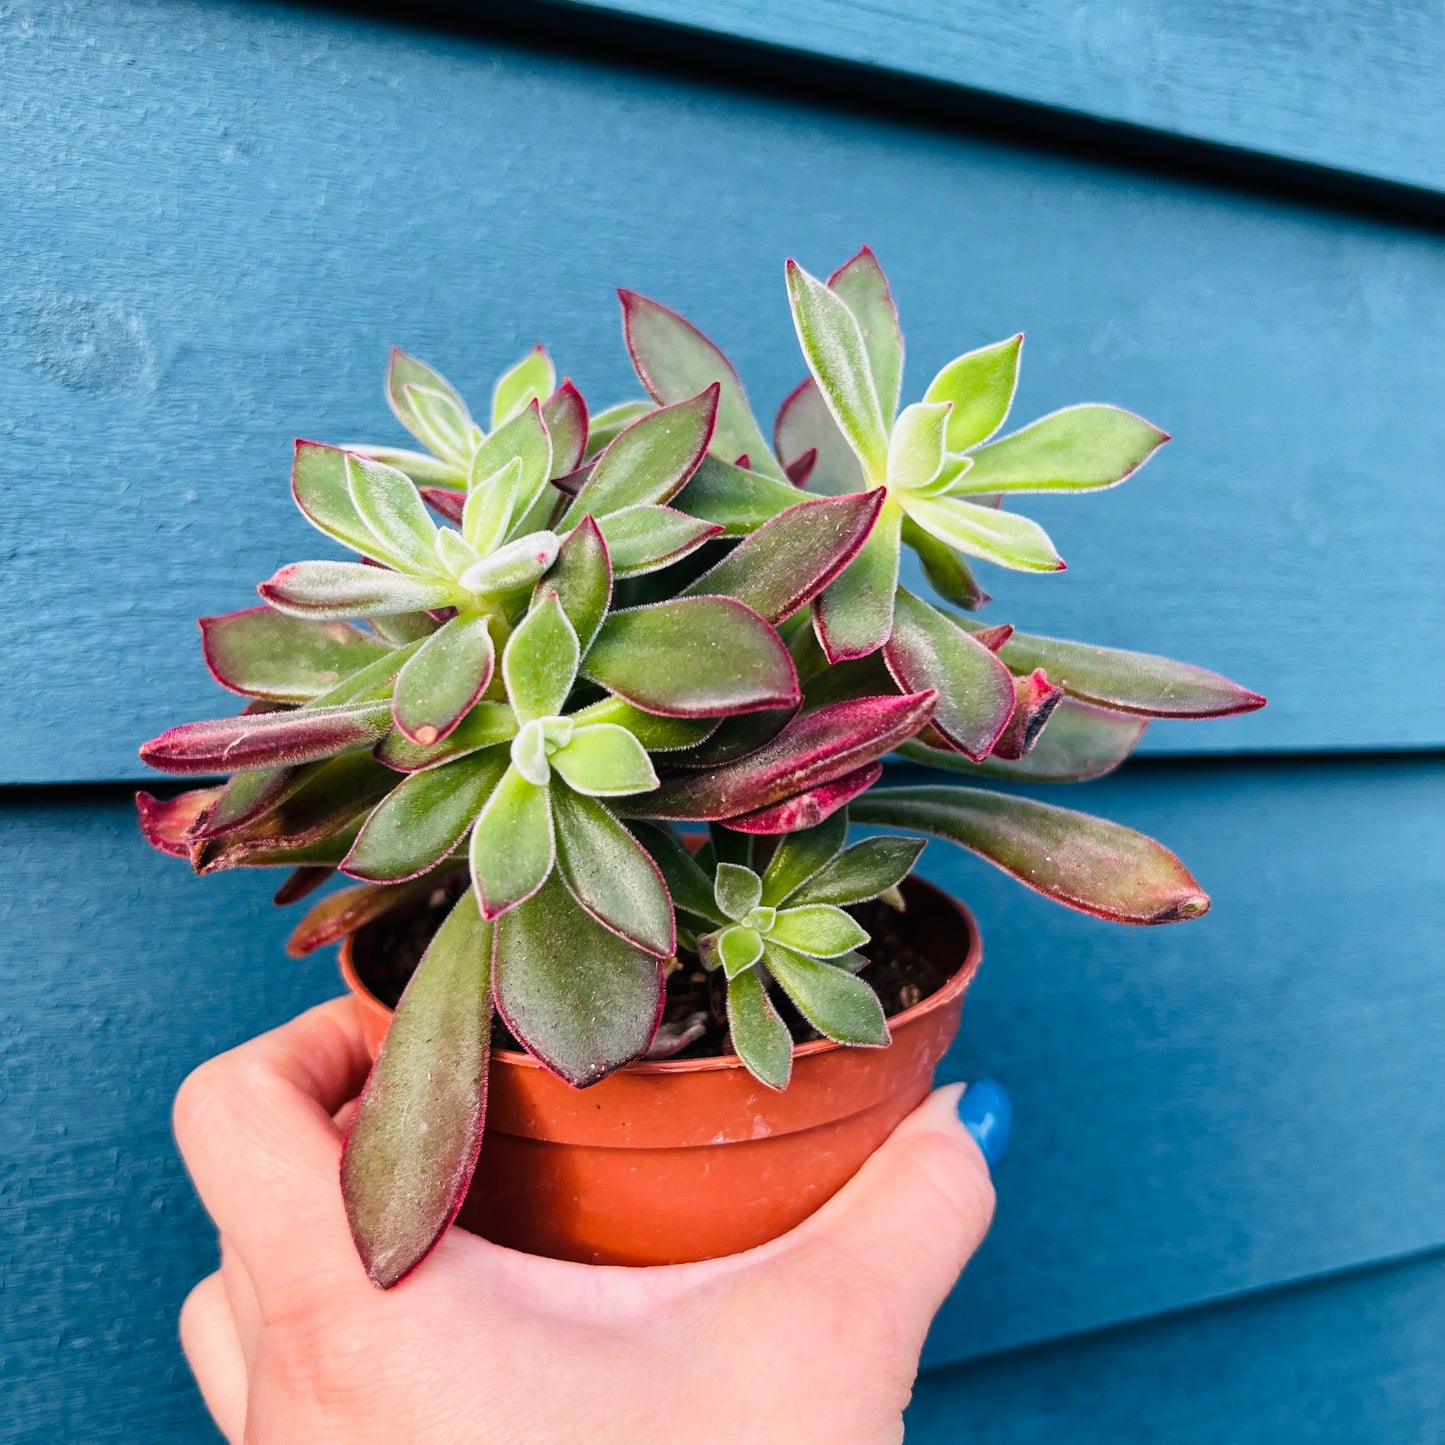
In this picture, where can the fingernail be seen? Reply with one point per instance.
(986, 1112)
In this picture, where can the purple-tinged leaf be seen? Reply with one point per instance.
(583, 1001)
(422, 820)
(1001, 537)
(807, 810)
(565, 413)
(837, 1003)
(864, 289)
(789, 560)
(439, 683)
(412, 1147)
(1078, 742)
(948, 574)
(861, 872)
(1035, 699)
(301, 883)
(734, 737)
(582, 579)
(351, 589)
(532, 378)
(1086, 863)
(804, 424)
(854, 615)
(611, 875)
(446, 501)
(570, 483)
(980, 385)
(693, 657)
(672, 1038)
(223, 745)
(1078, 449)
(993, 637)
(513, 845)
(758, 1033)
(245, 797)
(645, 538)
(815, 748)
(487, 723)
(1135, 682)
(260, 652)
(348, 909)
(651, 460)
(674, 360)
(326, 853)
(166, 823)
(800, 469)
(975, 690)
(737, 500)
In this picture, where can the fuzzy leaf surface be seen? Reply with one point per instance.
(406, 371)
(413, 1144)
(439, 683)
(838, 1005)
(246, 796)
(807, 810)
(738, 500)
(611, 875)
(611, 422)
(539, 664)
(800, 855)
(758, 1032)
(582, 579)
(975, 690)
(737, 890)
(645, 537)
(818, 929)
(863, 287)
(532, 378)
(948, 574)
(392, 508)
(981, 386)
(348, 909)
(734, 738)
(260, 652)
(487, 723)
(428, 472)
(321, 487)
(854, 615)
(1086, 863)
(861, 872)
(693, 657)
(513, 846)
(604, 761)
(264, 740)
(1002, 537)
(690, 887)
(1078, 449)
(656, 734)
(804, 424)
(351, 589)
(583, 1001)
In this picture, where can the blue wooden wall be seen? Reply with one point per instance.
(1224, 1213)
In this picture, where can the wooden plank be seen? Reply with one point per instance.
(1201, 1110)
(1298, 81)
(1347, 1361)
(222, 215)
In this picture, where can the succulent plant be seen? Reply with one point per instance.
(652, 617)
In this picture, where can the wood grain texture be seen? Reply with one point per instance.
(1303, 80)
(1201, 1110)
(1353, 1360)
(219, 216)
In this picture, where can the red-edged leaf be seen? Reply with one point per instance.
(789, 560)
(994, 637)
(582, 579)
(262, 653)
(975, 690)
(224, 745)
(565, 413)
(348, 909)
(352, 589)
(693, 657)
(738, 501)
(438, 683)
(805, 424)
(446, 502)
(583, 1001)
(736, 737)
(814, 749)
(245, 797)
(487, 723)
(807, 810)
(948, 574)
(1086, 863)
(801, 468)
(864, 288)
(412, 1147)
(854, 615)
(1034, 701)
(166, 823)
(301, 882)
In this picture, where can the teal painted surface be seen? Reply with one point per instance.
(1352, 85)
(1200, 1110)
(1347, 1361)
(221, 215)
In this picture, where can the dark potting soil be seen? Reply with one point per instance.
(387, 952)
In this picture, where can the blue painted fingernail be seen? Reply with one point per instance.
(986, 1112)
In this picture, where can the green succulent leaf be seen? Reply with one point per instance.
(454, 553)
(817, 929)
(392, 508)
(656, 734)
(611, 875)
(739, 501)
(423, 468)
(863, 287)
(440, 420)
(582, 579)
(1085, 863)
(690, 887)
(531, 379)
(1078, 449)
(736, 949)
(644, 537)
(440, 682)
(422, 820)
(800, 855)
(412, 1147)
(406, 373)
(650, 461)
(861, 872)
(513, 566)
(854, 615)
(1002, 537)
(609, 424)
(980, 384)
(331, 590)
(804, 425)
(523, 438)
(675, 360)
(693, 657)
(916, 448)
(839, 1005)
(539, 664)
(489, 507)
(320, 484)
(401, 628)
(513, 847)
(759, 1035)
(487, 724)
(583, 1000)
(834, 348)
(605, 761)
(737, 890)
(948, 574)
(264, 653)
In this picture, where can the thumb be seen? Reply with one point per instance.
(904, 1227)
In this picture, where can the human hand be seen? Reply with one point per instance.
(814, 1337)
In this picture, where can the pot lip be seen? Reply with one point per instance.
(951, 990)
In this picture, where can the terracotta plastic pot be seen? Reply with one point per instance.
(687, 1159)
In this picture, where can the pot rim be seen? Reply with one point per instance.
(955, 986)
